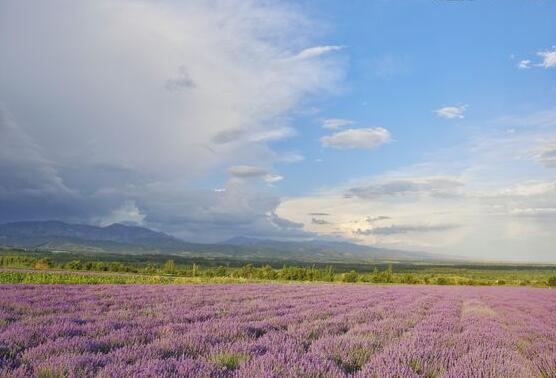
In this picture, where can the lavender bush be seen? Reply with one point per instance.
(276, 331)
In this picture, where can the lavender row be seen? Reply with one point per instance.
(276, 331)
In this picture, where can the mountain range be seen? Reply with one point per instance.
(125, 239)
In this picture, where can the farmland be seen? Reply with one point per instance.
(255, 330)
(19, 266)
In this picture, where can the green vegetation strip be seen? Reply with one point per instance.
(100, 279)
(48, 268)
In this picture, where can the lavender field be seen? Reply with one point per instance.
(276, 331)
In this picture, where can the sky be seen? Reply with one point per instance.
(420, 125)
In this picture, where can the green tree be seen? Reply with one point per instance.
(350, 277)
(169, 267)
(74, 265)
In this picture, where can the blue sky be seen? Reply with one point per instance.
(406, 59)
(425, 125)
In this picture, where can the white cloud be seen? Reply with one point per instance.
(336, 123)
(548, 58)
(127, 213)
(524, 64)
(451, 112)
(313, 52)
(271, 178)
(368, 139)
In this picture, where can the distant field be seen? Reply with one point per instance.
(320, 330)
(17, 266)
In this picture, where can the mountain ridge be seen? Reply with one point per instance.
(126, 239)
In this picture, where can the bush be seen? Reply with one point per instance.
(552, 281)
(444, 281)
(44, 263)
(350, 277)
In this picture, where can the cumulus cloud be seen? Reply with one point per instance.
(451, 112)
(548, 58)
(128, 213)
(336, 123)
(368, 139)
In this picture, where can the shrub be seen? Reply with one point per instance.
(350, 277)
(229, 360)
(552, 281)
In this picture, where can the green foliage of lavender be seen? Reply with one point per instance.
(256, 330)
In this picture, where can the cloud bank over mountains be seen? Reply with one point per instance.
(126, 104)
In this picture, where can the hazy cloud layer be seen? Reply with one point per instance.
(497, 190)
(547, 155)
(112, 110)
(435, 186)
(404, 229)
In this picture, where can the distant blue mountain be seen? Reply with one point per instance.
(119, 238)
